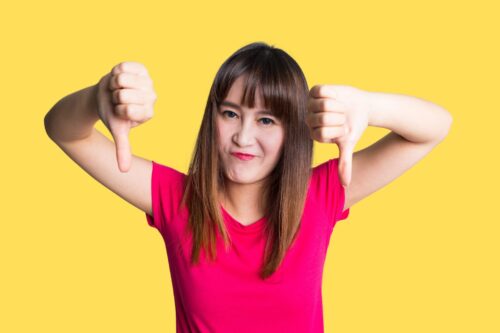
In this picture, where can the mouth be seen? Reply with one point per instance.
(244, 157)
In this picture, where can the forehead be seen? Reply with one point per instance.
(235, 94)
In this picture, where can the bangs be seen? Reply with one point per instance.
(269, 75)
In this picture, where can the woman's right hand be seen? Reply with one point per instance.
(125, 99)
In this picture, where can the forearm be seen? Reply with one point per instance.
(414, 119)
(73, 117)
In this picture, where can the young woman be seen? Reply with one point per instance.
(247, 228)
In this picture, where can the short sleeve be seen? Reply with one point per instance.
(166, 194)
(329, 190)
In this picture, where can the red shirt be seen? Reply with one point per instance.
(227, 296)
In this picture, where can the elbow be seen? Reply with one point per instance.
(448, 120)
(48, 125)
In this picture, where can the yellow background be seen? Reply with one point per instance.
(420, 255)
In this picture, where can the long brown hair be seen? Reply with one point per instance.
(285, 91)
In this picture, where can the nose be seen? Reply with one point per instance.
(244, 136)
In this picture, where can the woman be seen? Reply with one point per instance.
(246, 236)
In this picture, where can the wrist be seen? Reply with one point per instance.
(374, 113)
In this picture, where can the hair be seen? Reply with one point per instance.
(284, 91)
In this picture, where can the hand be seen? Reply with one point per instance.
(338, 114)
(125, 99)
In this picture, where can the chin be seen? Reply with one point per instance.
(241, 180)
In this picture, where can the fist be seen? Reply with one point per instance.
(125, 99)
(338, 114)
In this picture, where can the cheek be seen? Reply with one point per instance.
(274, 142)
(225, 138)
(222, 131)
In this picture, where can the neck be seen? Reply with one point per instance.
(246, 201)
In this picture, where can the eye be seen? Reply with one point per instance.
(230, 112)
(271, 121)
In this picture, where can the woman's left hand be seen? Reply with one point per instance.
(338, 114)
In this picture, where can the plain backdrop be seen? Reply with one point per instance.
(420, 255)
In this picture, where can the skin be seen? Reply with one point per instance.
(338, 114)
(244, 130)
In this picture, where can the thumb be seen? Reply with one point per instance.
(123, 152)
(345, 162)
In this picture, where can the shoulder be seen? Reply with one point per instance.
(327, 169)
(166, 193)
(327, 190)
(164, 173)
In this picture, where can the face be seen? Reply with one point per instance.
(245, 130)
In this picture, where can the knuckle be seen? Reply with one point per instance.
(120, 96)
(123, 96)
(116, 96)
(121, 79)
(329, 106)
(131, 112)
(139, 114)
(322, 120)
(119, 110)
(324, 104)
(315, 90)
(123, 66)
(144, 81)
(127, 108)
(118, 68)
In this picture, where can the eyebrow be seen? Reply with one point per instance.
(236, 106)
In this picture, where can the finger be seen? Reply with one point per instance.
(123, 152)
(130, 67)
(325, 104)
(106, 82)
(327, 134)
(132, 96)
(323, 90)
(128, 80)
(345, 162)
(134, 112)
(321, 119)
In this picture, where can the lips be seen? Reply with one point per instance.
(242, 156)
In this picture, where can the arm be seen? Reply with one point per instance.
(70, 124)
(414, 119)
(73, 117)
(416, 125)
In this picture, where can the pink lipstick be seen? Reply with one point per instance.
(244, 157)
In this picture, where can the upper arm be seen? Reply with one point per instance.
(382, 162)
(97, 156)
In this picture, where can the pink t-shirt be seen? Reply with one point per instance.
(228, 296)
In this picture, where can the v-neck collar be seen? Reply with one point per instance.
(236, 225)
